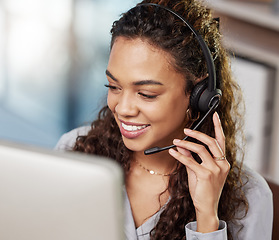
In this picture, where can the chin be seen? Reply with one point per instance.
(134, 145)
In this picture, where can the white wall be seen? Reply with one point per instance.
(256, 81)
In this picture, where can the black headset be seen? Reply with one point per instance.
(205, 97)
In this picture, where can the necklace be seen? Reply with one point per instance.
(151, 171)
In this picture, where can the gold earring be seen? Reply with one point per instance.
(189, 118)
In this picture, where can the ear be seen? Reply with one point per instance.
(201, 78)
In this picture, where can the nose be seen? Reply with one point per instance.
(126, 105)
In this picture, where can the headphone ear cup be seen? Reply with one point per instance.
(196, 93)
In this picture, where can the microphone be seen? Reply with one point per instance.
(196, 126)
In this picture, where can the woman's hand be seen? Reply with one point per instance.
(206, 180)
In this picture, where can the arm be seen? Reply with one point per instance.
(206, 180)
(257, 224)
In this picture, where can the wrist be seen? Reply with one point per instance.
(207, 223)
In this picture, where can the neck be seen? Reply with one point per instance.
(160, 162)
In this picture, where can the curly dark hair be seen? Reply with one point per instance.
(167, 32)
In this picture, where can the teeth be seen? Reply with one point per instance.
(133, 128)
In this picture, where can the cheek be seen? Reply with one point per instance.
(167, 113)
(173, 115)
(111, 101)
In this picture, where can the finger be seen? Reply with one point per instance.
(219, 133)
(194, 147)
(190, 163)
(185, 160)
(212, 143)
(216, 167)
(200, 150)
(184, 151)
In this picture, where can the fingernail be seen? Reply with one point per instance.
(176, 141)
(217, 116)
(171, 151)
(187, 130)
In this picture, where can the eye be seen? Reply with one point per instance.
(111, 87)
(147, 95)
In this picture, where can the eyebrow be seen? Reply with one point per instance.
(111, 76)
(137, 83)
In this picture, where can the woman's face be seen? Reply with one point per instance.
(146, 95)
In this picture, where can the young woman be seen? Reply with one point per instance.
(199, 189)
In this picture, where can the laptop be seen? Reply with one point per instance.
(47, 195)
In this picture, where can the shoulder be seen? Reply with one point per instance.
(257, 223)
(256, 185)
(67, 140)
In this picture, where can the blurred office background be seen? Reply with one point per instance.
(53, 55)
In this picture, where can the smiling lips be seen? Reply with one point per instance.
(132, 130)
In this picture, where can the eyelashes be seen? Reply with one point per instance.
(110, 87)
(147, 96)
